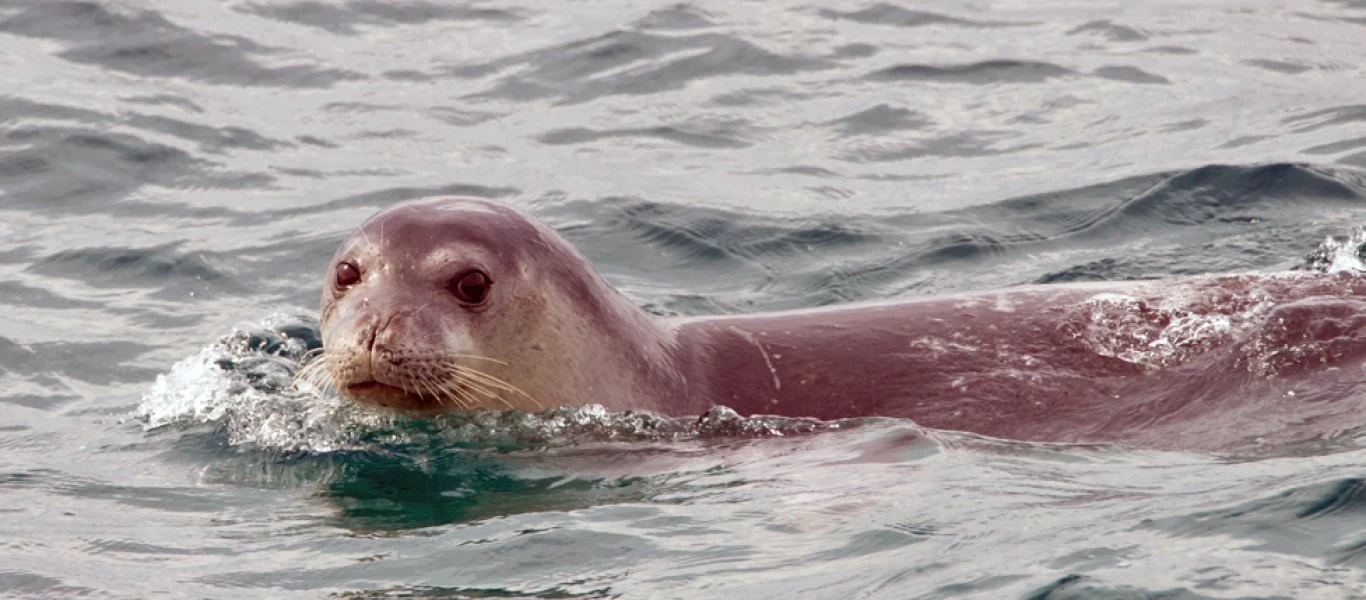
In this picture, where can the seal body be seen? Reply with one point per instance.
(465, 304)
(1202, 363)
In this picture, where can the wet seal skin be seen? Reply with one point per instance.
(462, 304)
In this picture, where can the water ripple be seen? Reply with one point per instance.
(146, 43)
(980, 73)
(629, 62)
(347, 17)
(888, 14)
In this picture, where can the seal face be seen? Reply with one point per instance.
(466, 304)
(412, 294)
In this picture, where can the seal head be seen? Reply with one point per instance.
(466, 304)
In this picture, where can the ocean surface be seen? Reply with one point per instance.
(175, 174)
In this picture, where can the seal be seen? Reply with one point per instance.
(462, 304)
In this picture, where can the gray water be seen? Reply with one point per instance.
(175, 174)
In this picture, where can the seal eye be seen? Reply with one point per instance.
(347, 275)
(472, 287)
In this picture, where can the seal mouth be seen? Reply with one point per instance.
(385, 395)
(374, 387)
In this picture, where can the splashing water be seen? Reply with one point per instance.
(1127, 328)
(1345, 254)
(243, 384)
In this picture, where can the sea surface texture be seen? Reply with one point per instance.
(176, 174)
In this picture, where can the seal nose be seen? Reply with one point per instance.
(370, 337)
(355, 352)
(387, 356)
(390, 348)
(378, 342)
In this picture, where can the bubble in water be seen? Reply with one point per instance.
(1340, 255)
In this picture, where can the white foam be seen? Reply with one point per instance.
(1340, 255)
(1132, 330)
(196, 389)
(253, 402)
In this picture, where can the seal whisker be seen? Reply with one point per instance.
(471, 403)
(473, 384)
(488, 379)
(475, 376)
(491, 380)
(454, 366)
(366, 236)
(479, 386)
(455, 385)
(441, 388)
(443, 391)
(466, 401)
(302, 375)
(320, 371)
(462, 382)
(444, 395)
(432, 388)
(477, 357)
(425, 389)
(317, 374)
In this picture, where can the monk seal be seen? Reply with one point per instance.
(466, 304)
